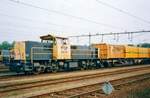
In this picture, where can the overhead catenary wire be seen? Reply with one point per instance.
(122, 11)
(66, 14)
(19, 2)
(117, 34)
(112, 33)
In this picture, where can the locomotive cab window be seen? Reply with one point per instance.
(47, 41)
(62, 41)
(65, 41)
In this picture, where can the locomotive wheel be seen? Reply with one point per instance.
(18, 69)
(106, 64)
(37, 70)
(66, 67)
(28, 73)
(112, 64)
(47, 70)
(54, 68)
(42, 69)
(100, 65)
(92, 65)
(83, 67)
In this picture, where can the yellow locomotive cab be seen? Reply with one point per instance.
(61, 46)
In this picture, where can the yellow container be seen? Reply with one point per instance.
(131, 52)
(144, 53)
(107, 51)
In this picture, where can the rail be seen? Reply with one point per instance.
(115, 86)
(56, 84)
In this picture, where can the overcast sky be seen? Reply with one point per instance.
(19, 22)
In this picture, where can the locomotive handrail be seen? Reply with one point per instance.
(42, 53)
(73, 54)
(41, 48)
(82, 49)
(32, 53)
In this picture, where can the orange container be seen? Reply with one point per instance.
(107, 51)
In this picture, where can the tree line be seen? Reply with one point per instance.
(146, 45)
(5, 45)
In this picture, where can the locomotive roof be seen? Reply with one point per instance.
(49, 37)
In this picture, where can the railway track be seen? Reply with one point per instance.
(19, 76)
(21, 80)
(5, 75)
(22, 88)
(3, 68)
(13, 87)
(92, 90)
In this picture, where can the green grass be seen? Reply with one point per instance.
(140, 94)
